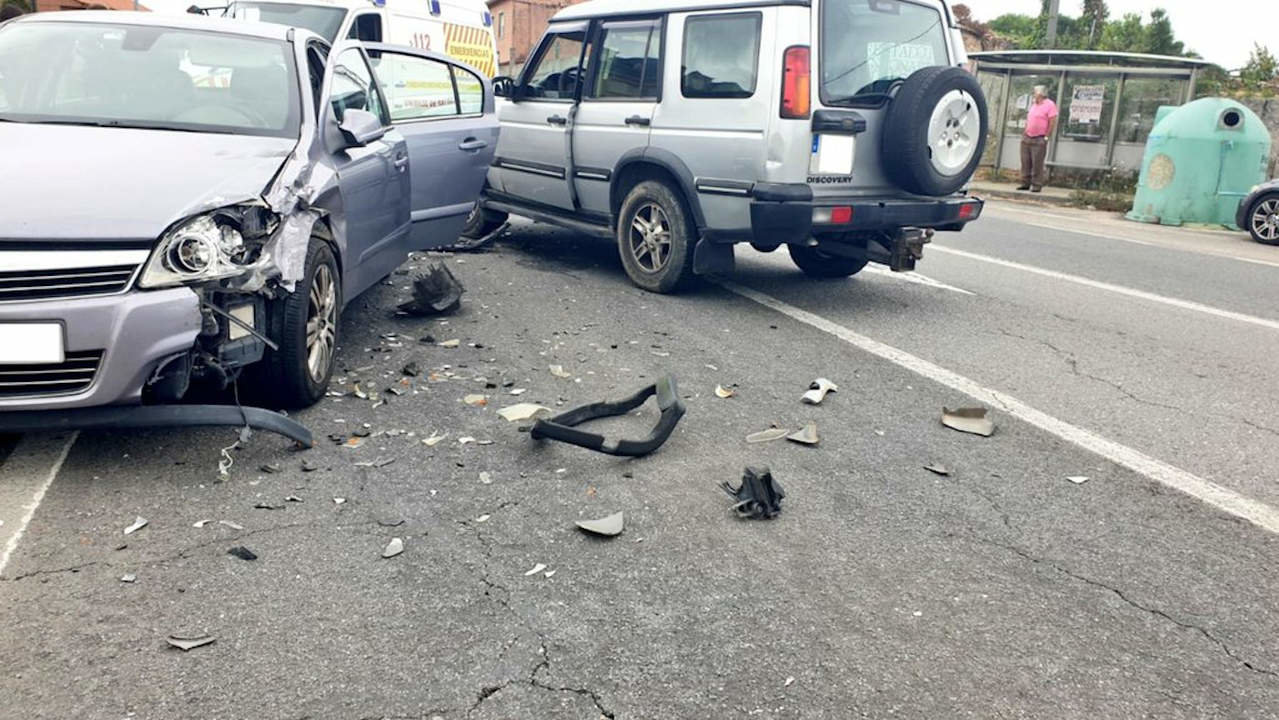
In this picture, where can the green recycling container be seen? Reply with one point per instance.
(1201, 159)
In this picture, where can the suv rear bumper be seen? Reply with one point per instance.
(787, 214)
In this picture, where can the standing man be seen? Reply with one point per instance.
(1041, 120)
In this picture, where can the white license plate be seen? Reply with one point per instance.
(31, 344)
(832, 155)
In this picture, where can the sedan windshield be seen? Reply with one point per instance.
(146, 77)
(320, 19)
(868, 45)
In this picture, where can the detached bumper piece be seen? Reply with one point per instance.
(563, 428)
(759, 496)
(124, 417)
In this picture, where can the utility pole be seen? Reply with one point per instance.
(1054, 7)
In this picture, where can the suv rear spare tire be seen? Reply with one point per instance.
(935, 131)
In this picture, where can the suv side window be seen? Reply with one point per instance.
(627, 61)
(557, 71)
(366, 28)
(353, 87)
(721, 55)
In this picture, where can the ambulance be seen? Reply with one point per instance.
(461, 29)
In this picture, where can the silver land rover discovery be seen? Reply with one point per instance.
(843, 129)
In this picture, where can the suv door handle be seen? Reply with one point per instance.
(472, 144)
(637, 120)
(557, 120)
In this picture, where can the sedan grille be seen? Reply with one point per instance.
(73, 375)
(20, 285)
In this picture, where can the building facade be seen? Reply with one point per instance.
(517, 26)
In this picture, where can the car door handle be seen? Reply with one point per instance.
(401, 162)
(637, 120)
(472, 145)
(557, 120)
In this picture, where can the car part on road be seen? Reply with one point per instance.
(1078, 479)
(124, 417)
(129, 578)
(935, 131)
(536, 569)
(758, 496)
(769, 435)
(138, 523)
(187, 643)
(242, 552)
(482, 225)
(436, 291)
(938, 469)
(725, 393)
(610, 526)
(562, 428)
(523, 411)
(817, 391)
(806, 435)
(393, 548)
(968, 420)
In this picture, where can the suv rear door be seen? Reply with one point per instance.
(532, 157)
(859, 49)
(445, 113)
(623, 87)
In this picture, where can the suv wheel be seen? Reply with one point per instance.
(1263, 220)
(305, 324)
(935, 131)
(818, 264)
(655, 238)
(481, 223)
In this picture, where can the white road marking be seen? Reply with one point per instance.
(914, 277)
(24, 478)
(1118, 289)
(1224, 499)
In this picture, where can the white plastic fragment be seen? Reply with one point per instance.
(536, 569)
(817, 391)
(1078, 479)
(724, 392)
(558, 371)
(768, 435)
(138, 523)
(482, 518)
(129, 578)
(968, 420)
(434, 439)
(233, 526)
(806, 435)
(610, 526)
(522, 412)
(393, 548)
(486, 478)
(200, 523)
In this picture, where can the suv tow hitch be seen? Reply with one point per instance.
(907, 247)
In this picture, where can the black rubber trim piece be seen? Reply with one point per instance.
(783, 192)
(590, 173)
(587, 223)
(528, 166)
(562, 428)
(841, 122)
(732, 188)
(154, 416)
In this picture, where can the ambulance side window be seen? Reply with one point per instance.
(367, 28)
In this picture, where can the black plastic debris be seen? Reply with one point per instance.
(759, 496)
(270, 468)
(242, 552)
(435, 292)
(563, 428)
(411, 369)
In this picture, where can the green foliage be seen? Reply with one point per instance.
(1261, 70)
(1125, 35)
(1093, 30)
(1019, 30)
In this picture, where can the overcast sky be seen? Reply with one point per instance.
(1223, 31)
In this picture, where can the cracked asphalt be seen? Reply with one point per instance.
(1002, 590)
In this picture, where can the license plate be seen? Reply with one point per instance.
(31, 344)
(832, 155)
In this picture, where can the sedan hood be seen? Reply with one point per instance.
(67, 182)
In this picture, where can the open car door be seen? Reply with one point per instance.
(445, 111)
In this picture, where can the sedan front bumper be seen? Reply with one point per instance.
(132, 332)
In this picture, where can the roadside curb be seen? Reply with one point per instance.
(1021, 196)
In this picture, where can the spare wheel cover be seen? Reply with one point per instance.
(953, 132)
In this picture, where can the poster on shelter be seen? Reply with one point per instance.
(1085, 104)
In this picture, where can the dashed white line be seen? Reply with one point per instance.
(1117, 289)
(1224, 499)
(24, 479)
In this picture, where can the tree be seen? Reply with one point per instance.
(1261, 70)
(1018, 30)
(1093, 22)
(1125, 35)
(1160, 39)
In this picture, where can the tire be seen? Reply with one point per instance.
(661, 262)
(480, 223)
(1263, 220)
(817, 264)
(935, 131)
(765, 247)
(284, 378)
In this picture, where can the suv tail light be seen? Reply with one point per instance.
(796, 83)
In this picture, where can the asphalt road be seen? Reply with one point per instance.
(1140, 358)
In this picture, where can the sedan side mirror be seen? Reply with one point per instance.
(360, 127)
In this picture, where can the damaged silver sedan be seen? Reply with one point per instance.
(193, 201)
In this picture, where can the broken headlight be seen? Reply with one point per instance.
(218, 245)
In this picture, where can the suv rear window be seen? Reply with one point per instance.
(867, 45)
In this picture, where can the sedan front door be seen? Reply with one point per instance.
(445, 113)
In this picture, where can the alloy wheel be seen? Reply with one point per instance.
(321, 323)
(953, 132)
(650, 238)
(1265, 220)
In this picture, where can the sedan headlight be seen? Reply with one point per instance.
(205, 248)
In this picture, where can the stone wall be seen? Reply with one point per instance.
(1268, 109)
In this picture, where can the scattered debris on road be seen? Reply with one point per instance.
(562, 428)
(938, 469)
(233, 526)
(724, 392)
(523, 411)
(186, 643)
(138, 523)
(476, 400)
(339, 500)
(435, 292)
(1078, 479)
(486, 479)
(806, 435)
(434, 439)
(758, 496)
(559, 372)
(451, 343)
(769, 435)
(968, 420)
(129, 578)
(536, 569)
(610, 526)
(242, 552)
(393, 548)
(817, 391)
